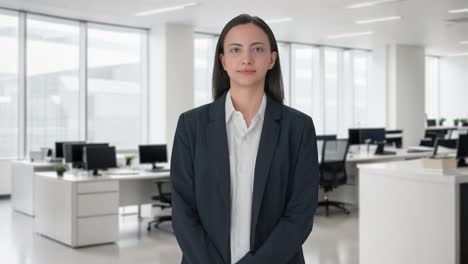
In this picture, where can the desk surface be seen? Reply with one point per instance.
(141, 175)
(415, 170)
(400, 154)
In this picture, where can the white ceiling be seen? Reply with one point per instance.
(424, 21)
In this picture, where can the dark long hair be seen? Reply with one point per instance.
(273, 79)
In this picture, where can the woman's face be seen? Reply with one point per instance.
(247, 55)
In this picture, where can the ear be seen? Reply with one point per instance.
(273, 57)
(221, 59)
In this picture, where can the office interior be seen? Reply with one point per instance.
(94, 89)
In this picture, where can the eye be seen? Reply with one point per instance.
(235, 50)
(259, 49)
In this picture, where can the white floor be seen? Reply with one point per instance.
(333, 240)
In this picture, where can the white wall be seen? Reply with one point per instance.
(377, 87)
(453, 88)
(406, 93)
(179, 75)
(5, 177)
(157, 85)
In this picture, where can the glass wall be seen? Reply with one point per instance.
(8, 84)
(101, 97)
(52, 100)
(115, 86)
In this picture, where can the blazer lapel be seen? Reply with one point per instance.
(216, 137)
(266, 150)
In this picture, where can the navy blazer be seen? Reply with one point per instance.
(286, 180)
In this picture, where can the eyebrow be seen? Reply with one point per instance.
(253, 44)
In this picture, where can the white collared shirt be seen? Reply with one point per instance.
(243, 144)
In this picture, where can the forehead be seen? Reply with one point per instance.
(246, 34)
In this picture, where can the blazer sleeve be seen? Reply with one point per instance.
(296, 223)
(190, 234)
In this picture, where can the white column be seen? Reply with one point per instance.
(179, 72)
(405, 92)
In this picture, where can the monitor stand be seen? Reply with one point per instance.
(155, 167)
(96, 173)
(461, 163)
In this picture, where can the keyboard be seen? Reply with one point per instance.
(122, 172)
(386, 153)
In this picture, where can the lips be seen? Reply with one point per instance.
(247, 71)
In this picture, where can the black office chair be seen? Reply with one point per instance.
(163, 201)
(333, 170)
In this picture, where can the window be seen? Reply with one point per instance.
(116, 86)
(306, 93)
(204, 52)
(283, 50)
(52, 81)
(8, 85)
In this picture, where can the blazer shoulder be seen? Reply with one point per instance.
(197, 114)
(294, 115)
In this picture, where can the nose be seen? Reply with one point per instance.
(247, 58)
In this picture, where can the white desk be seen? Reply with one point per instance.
(83, 210)
(22, 173)
(409, 214)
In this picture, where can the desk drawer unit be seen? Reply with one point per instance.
(97, 207)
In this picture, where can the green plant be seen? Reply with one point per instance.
(441, 121)
(128, 159)
(463, 120)
(60, 169)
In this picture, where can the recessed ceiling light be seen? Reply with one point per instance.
(458, 54)
(349, 35)
(372, 3)
(278, 20)
(376, 20)
(165, 9)
(456, 11)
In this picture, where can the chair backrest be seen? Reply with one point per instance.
(335, 150)
(164, 190)
(333, 163)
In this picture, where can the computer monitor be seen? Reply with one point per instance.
(447, 143)
(73, 152)
(99, 158)
(354, 136)
(59, 153)
(153, 154)
(462, 150)
(431, 122)
(372, 135)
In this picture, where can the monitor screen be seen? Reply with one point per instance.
(462, 147)
(152, 153)
(431, 122)
(73, 152)
(353, 136)
(99, 157)
(59, 149)
(372, 135)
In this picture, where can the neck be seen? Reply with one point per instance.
(247, 100)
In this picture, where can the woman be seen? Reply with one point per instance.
(244, 168)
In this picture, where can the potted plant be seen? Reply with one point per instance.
(456, 121)
(60, 169)
(464, 121)
(128, 159)
(441, 121)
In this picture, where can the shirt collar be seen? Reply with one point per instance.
(229, 107)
